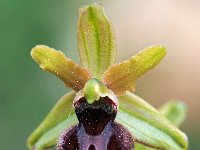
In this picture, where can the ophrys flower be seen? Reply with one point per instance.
(109, 115)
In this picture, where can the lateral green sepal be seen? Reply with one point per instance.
(60, 112)
(49, 139)
(174, 111)
(148, 126)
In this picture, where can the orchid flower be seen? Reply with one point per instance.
(102, 112)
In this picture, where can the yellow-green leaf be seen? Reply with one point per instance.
(55, 62)
(122, 77)
(96, 40)
(148, 126)
(60, 112)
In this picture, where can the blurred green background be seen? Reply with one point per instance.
(27, 93)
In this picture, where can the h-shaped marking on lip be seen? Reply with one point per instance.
(100, 142)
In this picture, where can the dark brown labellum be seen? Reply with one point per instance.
(97, 129)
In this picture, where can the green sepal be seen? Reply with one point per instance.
(122, 77)
(174, 111)
(96, 40)
(55, 62)
(148, 126)
(60, 112)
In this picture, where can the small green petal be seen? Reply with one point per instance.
(122, 77)
(60, 112)
(55, 62)
(148, 126)
(91, 91)
(94, 89)
(96, 40)
(174, 111)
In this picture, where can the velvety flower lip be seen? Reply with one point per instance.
(99, 76)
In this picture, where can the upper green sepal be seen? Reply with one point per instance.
(96, 40)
